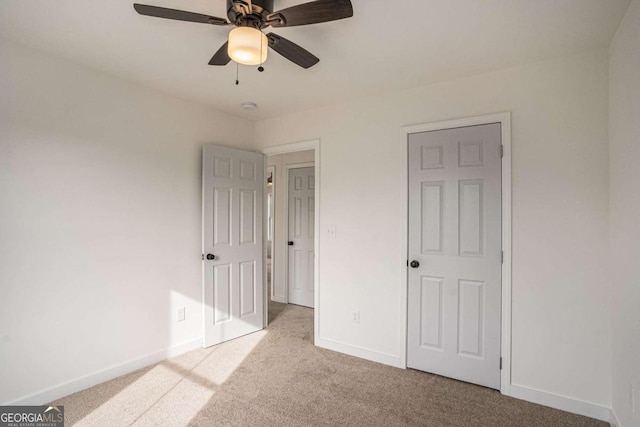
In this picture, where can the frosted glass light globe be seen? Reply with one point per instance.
(247, 46)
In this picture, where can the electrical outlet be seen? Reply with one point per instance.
(355, 316)
(331, 231)
(180, 314)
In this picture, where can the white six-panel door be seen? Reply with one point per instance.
(454, 294)
(233, 188)
(301, 228)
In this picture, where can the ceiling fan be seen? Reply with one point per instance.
(247, 44)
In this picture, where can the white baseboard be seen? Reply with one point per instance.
(56, 392)
(363, 353)
(564, 403)
(614, 420)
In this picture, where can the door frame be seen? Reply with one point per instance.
(314, 145)
(286, 222)
(505, 331)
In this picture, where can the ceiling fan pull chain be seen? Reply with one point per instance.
(237, 80)
(261, 68)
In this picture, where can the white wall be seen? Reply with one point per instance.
(100, 219)
(561, 341)
(281, 232)
(100, 216)
(624, 280)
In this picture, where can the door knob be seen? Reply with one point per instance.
(290, 243)
(414, 264)
(211, 257)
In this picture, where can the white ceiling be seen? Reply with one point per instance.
(386, 46)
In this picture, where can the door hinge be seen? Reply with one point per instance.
(501, 363)
(501, 150)
(502, 257)
(203, 257)
(407, 263)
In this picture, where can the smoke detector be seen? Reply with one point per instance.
(249, 106)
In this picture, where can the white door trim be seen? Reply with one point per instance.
(505, 120)
(291, 148)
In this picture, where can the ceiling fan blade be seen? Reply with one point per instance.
(311, 13)
(292, 51)
(179, 15)
(221, 57)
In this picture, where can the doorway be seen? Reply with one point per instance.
(289, 160)
(236, 238)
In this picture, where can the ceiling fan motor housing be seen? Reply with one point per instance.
(249, 13)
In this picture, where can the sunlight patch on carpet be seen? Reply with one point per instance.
(174, 391)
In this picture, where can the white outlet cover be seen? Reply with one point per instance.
(180, 315)
(331, 231)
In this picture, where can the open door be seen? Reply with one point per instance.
(232, 195)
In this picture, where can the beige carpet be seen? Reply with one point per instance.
(276, 377)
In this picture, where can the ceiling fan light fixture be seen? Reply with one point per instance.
(248, 46)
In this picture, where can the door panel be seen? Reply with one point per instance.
(432, 217)
(431, 311)
(221, 293)
(232, 231)
(248, 287)
(455, 234)
(301, 229)
(470, 223)
(248, 218)
(222, 216)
